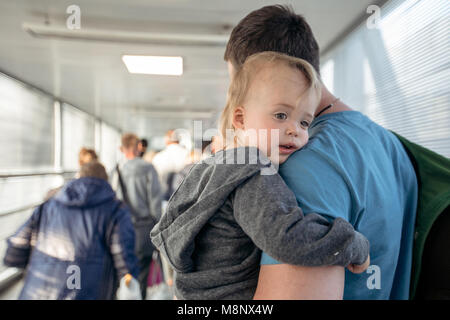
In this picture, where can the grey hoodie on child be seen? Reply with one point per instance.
(222, 216)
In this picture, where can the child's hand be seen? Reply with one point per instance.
(359, 268)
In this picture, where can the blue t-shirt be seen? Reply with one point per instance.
(354, 169)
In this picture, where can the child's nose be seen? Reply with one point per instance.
(293, 130)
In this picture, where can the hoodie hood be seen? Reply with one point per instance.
(204, 190)
(85, 192)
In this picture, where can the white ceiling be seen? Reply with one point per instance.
(91, 75)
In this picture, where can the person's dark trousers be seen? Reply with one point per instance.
(144, 251)
(144, 267)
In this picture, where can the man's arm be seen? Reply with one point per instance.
(289, 282)
(120, 238)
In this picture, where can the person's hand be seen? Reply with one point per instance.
(359, 268)
(129, 288)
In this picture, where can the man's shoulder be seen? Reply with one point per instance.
(343, 127)
(139, 165)
(345, 135)
(336, 145)
(305, 159)
(144, 165)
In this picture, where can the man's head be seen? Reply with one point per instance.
(272, 28)
(129, 145)
(171, 137)
(93, 169)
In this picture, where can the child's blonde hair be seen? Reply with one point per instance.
(242, 79)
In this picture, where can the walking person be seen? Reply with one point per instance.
(78, 244)
(136, 183)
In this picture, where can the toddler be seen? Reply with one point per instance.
(231, 206)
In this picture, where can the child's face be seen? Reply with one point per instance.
(277, 100)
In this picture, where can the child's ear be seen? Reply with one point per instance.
(238, 118)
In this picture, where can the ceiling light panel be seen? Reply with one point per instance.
(172, 66)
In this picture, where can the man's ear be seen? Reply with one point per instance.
(238, 118)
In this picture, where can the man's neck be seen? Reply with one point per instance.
(130, 156)
(329, 99)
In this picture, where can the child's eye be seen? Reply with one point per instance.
(280, 116)
(304, 123)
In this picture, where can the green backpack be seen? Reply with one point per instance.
(430, 276)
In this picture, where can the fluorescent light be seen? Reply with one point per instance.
(86, 34)
(154, 65)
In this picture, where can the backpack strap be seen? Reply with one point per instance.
(135, 218)
(123, 188)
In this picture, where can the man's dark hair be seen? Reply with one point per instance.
(144, 142)
(272, 28)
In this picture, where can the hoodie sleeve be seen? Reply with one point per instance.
(21, 242)
(267, 211)
(121, 241)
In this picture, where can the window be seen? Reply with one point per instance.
(109, 150)
(78, 130)
(26, 128)
(399, 74)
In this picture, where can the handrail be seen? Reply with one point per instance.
(7, 213)
(48, 173)
(8, 276)
(18, 175)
